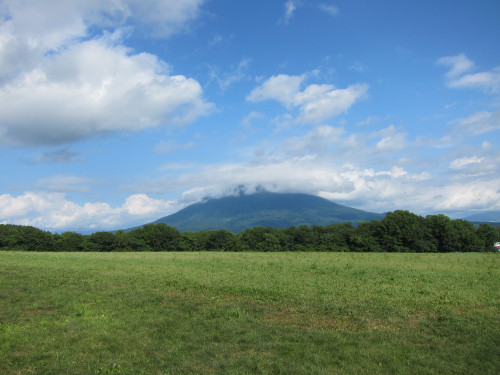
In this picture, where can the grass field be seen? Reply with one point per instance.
(249, 313)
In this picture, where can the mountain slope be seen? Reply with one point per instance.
(488, 216)
(238, 213)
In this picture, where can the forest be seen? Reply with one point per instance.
(398, 231)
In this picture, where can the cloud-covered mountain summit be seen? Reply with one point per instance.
(237, 213)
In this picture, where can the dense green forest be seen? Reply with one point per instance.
(399, 231)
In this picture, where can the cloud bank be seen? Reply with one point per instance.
(53, 211)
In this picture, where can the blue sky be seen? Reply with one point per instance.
(114, 113)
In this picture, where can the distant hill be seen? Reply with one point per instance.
(237, 213)
(485, 217)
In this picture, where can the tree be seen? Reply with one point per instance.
(27, 238)
(158, 237)
(8, 236)
(99, 241)
(364, 238)
(122, 242)
(70, 241)
(252, 236)
(302, 238)
(466, 239)
(270, 243)
(443, 232)
(404, 231)
(187, 242)
(488, 235)
(222, 240)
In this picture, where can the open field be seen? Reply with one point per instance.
(249, 313)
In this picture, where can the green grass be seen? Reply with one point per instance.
(249, 313)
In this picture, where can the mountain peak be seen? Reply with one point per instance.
(280, 210)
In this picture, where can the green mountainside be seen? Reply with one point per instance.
(237, 213)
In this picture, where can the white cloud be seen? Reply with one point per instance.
(142, 205)
(31, 28)
(476, 194)
(328, 8)
(292, 174)
(290, 7)
(316, 142)
(382, 190)
(488, 164)
(282, 88)
(226, 80)
(70, 97)
(52, 22)
(320, 102)
(163, 17)
(368, 121)
(310, 171)
(391, 140)
(77, 85)
(250, 118)
(480, 122)
(458, 65)
(54, 211)
(488, 81)
(464, 162)
(443, 142)
(316, 103)
(358, 67)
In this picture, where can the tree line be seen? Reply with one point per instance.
(399, 231)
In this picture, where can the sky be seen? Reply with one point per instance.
(115, 113)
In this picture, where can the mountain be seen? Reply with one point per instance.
(485, 217)
(237, 213)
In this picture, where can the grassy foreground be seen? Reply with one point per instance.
(249, 313)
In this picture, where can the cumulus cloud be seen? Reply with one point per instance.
(282, 88)
(162, 17)
(60, 84)
(53, 211)
(476, 194)
(486, 164)
(142, 205)
(316, 103)
(488, 81)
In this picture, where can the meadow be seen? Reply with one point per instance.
(249, 313)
